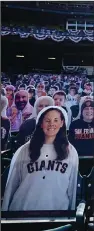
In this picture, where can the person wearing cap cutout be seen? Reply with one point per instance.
(52, 90)
(71, 97)
(60, 100)
(75, 108)
(40, 90)
(13, 114)
(87, 89)
(10, 96)
(31, 93)
(45, 173)
(22, 87)
(15, 119)
(81, 131)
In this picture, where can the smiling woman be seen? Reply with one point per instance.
(51, 124)
(44, 176)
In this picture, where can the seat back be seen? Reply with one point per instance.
(90, 193)
(81, 185)
(5, 162)
(6, 154)
(6, 157)
(85, 164)
(13, 144)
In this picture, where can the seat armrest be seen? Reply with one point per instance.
(91, 226)
(80, 216)
(81, 209)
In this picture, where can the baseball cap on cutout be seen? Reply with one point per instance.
(11, 87)
(62, 110)
(88, 103)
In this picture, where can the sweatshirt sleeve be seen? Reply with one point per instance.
(14, 158)
(12, 185)
(72, 188)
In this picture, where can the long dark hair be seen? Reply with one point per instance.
(38, 139)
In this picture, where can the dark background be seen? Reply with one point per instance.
(36, 52)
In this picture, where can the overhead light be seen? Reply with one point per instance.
(52, 58)
(20, 56)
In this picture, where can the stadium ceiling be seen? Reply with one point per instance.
(45, 12)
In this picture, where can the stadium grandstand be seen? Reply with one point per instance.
(47, 115)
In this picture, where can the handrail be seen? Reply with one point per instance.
(38, 220)
(86, 157)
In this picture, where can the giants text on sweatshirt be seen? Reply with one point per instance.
(46, 184)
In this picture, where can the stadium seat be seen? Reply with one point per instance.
(80, 190)
(5, 162)
(85, 210)
(90, 226)
(14, 133)
(6, 157)
(12, 144)
(80, 203)
(87, 162)
(90, 200)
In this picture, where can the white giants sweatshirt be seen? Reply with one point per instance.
(46, 184)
